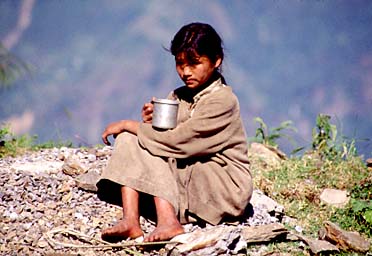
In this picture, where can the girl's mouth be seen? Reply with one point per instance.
(190, 81)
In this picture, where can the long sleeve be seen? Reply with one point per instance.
(209, 130)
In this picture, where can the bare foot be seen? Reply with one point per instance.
(121, 231)
(165, 232)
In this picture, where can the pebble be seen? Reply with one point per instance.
(36, 201)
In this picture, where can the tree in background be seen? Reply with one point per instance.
(11, 67)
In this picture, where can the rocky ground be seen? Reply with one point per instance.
(46, 210)
(48, 206)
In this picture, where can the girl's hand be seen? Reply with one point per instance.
(147, 110)
(116, 128)
(112, 129)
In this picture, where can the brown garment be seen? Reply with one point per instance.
(201, 166)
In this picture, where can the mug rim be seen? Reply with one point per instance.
(166, 101)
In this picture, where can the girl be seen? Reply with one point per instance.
(197, 171)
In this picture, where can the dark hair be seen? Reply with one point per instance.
(197, 39)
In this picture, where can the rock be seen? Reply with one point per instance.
(268, 154)
(88, 181)
(91, 157)
(38, 166)
(369, 162)
(344, 240)
(260, 200)
(72, 166)
(92, 151)
(67, 197)
(224, 240)
(61, 157)
(201, 239)
(319, 246)
(13, 216)
(106, 152)
(264, 233)
(334, 197)
(66, 186)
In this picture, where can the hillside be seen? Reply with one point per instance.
(94, 62)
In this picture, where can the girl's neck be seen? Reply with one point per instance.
(216, 75)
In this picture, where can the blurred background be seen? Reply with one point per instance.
(94, 62)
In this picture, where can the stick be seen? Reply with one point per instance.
(49, 236)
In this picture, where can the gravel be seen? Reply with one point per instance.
(37, 197)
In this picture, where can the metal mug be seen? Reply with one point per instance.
(165, 112)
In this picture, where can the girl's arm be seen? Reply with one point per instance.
(213, 124)
(119, 127)
(128, 125)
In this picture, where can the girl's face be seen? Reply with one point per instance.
(197, 72)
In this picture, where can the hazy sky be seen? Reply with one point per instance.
(99, 61)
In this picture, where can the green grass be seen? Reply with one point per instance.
(297, 182)
(11, 145)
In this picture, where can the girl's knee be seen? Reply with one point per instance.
(125, 137)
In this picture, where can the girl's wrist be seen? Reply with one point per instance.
(129, 126)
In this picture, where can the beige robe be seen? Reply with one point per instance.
(201, 167)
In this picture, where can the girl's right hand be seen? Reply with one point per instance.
(112, 129)
(147, 110)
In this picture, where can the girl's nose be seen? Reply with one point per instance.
(187, 71)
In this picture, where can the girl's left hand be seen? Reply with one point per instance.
(147, 110)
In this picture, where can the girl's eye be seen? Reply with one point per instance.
(183, 65)
(190, 63)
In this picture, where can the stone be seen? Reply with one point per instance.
(38, 166)
(13, 216)
(200, 239)
(91, 157)
(334, 197)
(268, 154)
(72, 166)
(42, 243)
(369, 162)
(260, 200)
(88, 181)
(67, 197)
(345, 240)
(66, 186)
(264, 233)
(319, 246)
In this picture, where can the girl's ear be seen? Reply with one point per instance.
(218, 62)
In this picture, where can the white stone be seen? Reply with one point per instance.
(298, 229)
(13, 216)
(335, 197)
(78, 215)
(91, 158)
(259, 199)
(38, 166)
